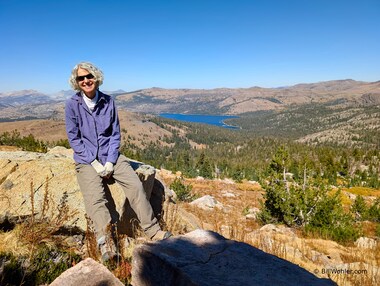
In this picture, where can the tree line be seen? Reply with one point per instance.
(243, 155)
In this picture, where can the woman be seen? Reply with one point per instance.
(93, 130)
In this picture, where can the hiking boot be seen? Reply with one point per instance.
(160, 235)
(108, 249)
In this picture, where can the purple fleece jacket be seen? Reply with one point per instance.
(93, 135)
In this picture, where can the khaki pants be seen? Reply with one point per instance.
(99, 208)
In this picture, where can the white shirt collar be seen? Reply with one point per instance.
(90, 102)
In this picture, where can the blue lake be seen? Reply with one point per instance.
(207, 119)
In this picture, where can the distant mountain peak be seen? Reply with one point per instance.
(21, 92)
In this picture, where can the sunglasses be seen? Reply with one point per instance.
(82, 77)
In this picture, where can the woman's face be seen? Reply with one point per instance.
(86, 82)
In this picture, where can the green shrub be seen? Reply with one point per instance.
(374, 211)
(26, 143)
(331, 222)
(42, 268)
(377, 230)
(48, 264)
(363, 212)
(245, 211)
(12, 272)
(182, 191)
(340, 233)
(290, 203)
(238, 175)
(63, 142)
(311, 206)
(359, 208)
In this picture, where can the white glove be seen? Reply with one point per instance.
(109, 168)
(99, 168)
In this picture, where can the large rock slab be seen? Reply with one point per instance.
(87, 273)
(207, 258)
(27, 175)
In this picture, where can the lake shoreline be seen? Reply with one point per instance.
(225, 125)
(216, 120)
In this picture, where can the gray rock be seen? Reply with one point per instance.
(252, 213)
(87, 273)
(207, 203)
(227, 194)
(251, 216)
(366, 242)
(277, 229)
(206, 258)
(60, 152)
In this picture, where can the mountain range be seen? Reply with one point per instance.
(339, 111)
(339, 93)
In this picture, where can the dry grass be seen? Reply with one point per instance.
(91, 243)
(346, 201)
(35, 234)
(322, 256)
(46, 219)
(39, 228)
(363, 191)
(369, 228)
(230, 221)
(46, 130)
(171, 219)
(6, 148)
(248, 186)
(10, 243)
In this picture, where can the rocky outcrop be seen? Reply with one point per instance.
(27, 179)
(207, 258)
(51, 176)
(87, 273)
(23, 174)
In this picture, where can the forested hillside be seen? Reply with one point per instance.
(318, 124)
(245, 154)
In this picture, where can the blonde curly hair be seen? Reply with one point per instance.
(91, 68)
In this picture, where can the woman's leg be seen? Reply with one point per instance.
(95, 201)
(134, 191)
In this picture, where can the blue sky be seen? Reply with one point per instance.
(188, 44)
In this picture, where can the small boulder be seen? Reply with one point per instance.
(227, 194)
(87, 273)
(207, 203)
(252, 213)
(366, 242)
